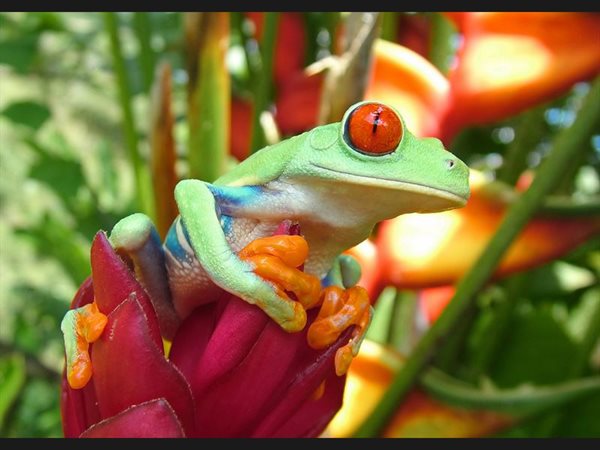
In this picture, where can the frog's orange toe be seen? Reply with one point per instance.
(81, 327)
(277, 258)
(340, 310)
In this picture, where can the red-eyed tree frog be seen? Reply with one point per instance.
(335, 181)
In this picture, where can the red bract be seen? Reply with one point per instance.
(290, 47)
(231, 370)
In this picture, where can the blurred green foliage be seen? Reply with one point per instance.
(65, 174)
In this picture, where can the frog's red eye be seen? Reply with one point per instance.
(374, 129)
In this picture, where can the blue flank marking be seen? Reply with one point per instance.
(172, 242)
(228, 197)
(226, 223)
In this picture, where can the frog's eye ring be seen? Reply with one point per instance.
(373, 129)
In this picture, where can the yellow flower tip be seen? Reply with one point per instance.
(421, 416)
(368, 377)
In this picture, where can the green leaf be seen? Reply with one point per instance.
(12, 380)
(37, 414)
(63, 175)
(537, 350)
(19, 52)
(45, 21)
(29, 113)
(56, 240)
(583, 419)
(558, 279)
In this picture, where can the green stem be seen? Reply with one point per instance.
(441, 45)
(389, 25)
(566, 146)
(567, 206)
(209, 101)
(402, 333)
(262, 94)
(520, 401)
(143, 31)
(448, 355)
(142, 183)
(527, 135)
(379, 329)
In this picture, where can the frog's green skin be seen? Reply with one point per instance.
(336, 193)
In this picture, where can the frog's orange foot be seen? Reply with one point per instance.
(81, 327)
(341, 309)
(278, 259)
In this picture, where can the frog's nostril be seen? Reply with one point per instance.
(450, 164)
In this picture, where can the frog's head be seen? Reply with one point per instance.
(371, 153)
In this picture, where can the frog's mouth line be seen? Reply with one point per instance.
(395, 184)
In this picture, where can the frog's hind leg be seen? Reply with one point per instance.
(136, 239)
(343, 304)
(345, 272)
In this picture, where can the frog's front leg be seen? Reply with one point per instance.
(135, 238)
(200, 215)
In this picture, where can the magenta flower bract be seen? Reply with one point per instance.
(231, 370)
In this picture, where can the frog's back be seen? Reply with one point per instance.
(265, 165)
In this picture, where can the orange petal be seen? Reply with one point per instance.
(369, 376)
(407, 81)
(400, 77)
(422, 416)
(370, 373)
(510, 61)
(424, 250)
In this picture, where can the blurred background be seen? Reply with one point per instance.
(101, 114)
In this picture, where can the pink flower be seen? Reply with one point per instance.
(231, 371)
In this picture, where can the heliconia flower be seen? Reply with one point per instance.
(510, 61)
(419, 415)
(231, 371)
(409, 82)
(426, 250)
